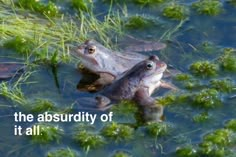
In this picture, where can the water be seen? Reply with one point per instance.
(60, 87)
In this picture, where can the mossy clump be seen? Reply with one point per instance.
(49, 9)
(188, 82)
(148, 2)
(82, 5)
(121, 154)
(48, 133)
(117, 132)
(125, 108)
(186, 151)
(207, 48)
(156, 129)
(228, 60)
(183, 77)
(208, 7)
(175, 11)
(139, 22)
(225, 85)
(167, 100)
(204, 69)
(220, 137)
(88, 140)
(216, 143)
(41, 105)
(231, 125)
(20, 44)
(202, 117)
(63, 152)
(207, 98)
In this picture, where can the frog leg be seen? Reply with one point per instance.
(151, 110)
(142, 97)
(168, 85)
(105, 79)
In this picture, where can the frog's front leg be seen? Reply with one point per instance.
(151, 110)
(168, 85)
(104, 79)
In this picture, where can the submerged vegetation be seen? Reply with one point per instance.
(48, 133)
(175, 11)
(117, 132)
(208, 7)
(62, 153)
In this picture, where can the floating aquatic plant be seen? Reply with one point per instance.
(208, 7)
(81, 5)
(207, 98)
(182, 77)
(48, 133)
(88, 140)
(125, 107)
(228, 60)
(167, 100)
(202, 117)
(157, 129)
(204, 69)
(139, 22)
(121, 154)
(48, 9)
(175, 11)
(117, 132)
(63, 152)
(231, 125)
(148, 2)
(225, 85)
(20, 44)
(187, 81)
(186, 151)
(41, 105)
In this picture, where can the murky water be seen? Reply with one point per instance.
(59, 86)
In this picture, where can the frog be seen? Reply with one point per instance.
(107, 64)
(136, 84)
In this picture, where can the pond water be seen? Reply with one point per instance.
(195, 38)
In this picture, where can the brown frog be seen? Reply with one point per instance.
(108, 64)
(136, 84)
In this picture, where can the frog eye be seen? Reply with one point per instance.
(91, 49)
(149, 65)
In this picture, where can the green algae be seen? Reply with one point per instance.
(186, 151)
(82, 5)
(156, 129)
(49, 9)
(139, 22)
(202, 117)
(148, 2)
(63, 152)
(207, 98)
(175, 11)
(208, 7)
(121, 154)
(204, 69)
(228, 60)
(20, 44)
(48, 133)
(117, 132)
(224, 85)
(88, 140)
(41, 105)
(231, 124)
